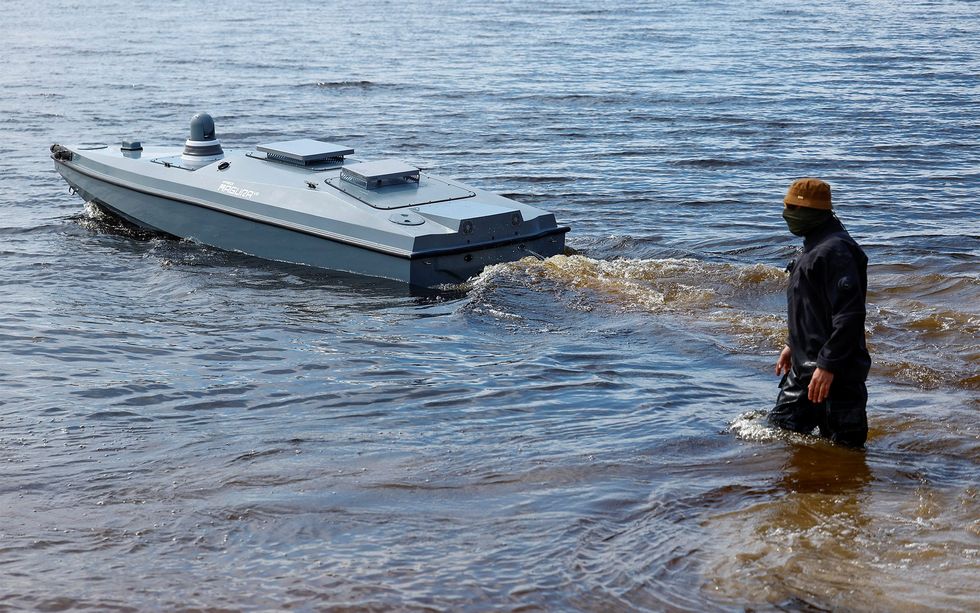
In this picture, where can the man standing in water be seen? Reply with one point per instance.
(825, 362)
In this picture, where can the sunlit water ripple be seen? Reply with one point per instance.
(183, 428)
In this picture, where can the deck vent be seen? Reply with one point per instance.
(305, 152)
(372, 175)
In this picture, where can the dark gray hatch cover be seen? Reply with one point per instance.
(305, 151)
(393, 184)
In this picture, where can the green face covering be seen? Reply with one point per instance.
(804, 220)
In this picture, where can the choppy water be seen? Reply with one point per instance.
(182, 428)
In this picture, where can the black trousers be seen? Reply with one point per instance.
(841, 417)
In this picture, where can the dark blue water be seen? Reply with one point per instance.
(183, 428)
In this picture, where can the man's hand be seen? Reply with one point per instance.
(784, 362)
(820, 385)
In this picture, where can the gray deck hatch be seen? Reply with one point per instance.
(176, 161)
(304, 151)
(398, 192)
(372, 175)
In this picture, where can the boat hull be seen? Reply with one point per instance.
(171, 214)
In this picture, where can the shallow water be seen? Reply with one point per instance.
(183, 428)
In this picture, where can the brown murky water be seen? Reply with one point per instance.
(186, 429)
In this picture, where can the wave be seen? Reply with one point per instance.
(349, 84)
(654, 282)
(741, 308)
(709, 163)
(99, 220)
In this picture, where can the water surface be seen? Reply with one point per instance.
(184, 428)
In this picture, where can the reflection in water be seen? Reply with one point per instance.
(825, 469)
(839, 535)
(806, 546)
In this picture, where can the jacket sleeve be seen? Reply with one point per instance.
(845, 293)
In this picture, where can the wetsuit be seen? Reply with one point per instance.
(827, 290)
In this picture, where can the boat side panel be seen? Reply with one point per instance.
(272, 241)
(236, 234)
(459, 267)
(291, 206)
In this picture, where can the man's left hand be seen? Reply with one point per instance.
(820, 385)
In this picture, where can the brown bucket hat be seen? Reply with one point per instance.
(809, 192)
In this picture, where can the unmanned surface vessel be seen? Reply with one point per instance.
(310, 202)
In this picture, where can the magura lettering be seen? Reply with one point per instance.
(230, 188)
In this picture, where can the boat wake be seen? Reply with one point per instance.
(98, 219)
(913, 338)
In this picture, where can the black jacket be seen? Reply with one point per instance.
(828, 286)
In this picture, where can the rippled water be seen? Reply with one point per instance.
(183, 428)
